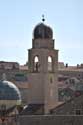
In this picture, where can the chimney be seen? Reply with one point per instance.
(77, 65)
(66, 65)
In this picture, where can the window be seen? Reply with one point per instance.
(36, 64)
(78, 112)
(49, 63)
(20, 77)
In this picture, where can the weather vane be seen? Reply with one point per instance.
(43, 19)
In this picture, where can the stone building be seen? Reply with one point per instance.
(42, 78)
(40, 81)
(70, 78)
(73, 106)
(20, 74)
(17, 74)
(71, 71)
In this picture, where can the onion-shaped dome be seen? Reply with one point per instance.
(42, 31)
(9, 95)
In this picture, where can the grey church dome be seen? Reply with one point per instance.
(8, 91)
(42, 31)
(9, 94)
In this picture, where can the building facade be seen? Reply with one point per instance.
(43, 79)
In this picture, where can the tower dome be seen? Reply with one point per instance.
(42, 31)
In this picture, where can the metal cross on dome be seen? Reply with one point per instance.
(43, 19)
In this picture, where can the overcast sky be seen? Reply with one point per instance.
(19, 17)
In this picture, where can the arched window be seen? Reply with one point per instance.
(36, 64)
(49, 63)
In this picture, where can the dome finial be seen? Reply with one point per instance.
(43, 19)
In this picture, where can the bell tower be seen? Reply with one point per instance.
(43, 68)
